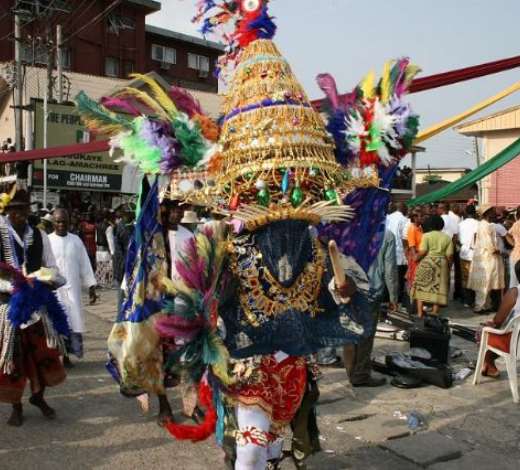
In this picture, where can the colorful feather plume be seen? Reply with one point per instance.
(185, 102)
(191, 317)
(160, 96)
(96, 117)
(249, 20)
(158, 131)
(120, 105)
(29, 296)
(373, 125)
(192, 144)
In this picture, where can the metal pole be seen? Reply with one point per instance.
(45, 118)
(479, 183)
(59, 62)
(414, 174)
(18, 101)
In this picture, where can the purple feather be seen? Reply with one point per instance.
(118, 104)
(157, 134)
(191, 268)
(327, 84)
(185, 102)
(401, 85)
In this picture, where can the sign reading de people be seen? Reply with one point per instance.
(93, 171)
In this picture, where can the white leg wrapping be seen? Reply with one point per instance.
(251, 456)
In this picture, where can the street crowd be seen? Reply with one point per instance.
(457, 252)
(430, 256)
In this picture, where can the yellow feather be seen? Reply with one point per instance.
(101, 128)
(386, 83)
(146, 99)
(367, 85)
(221, 367)
(159, 94)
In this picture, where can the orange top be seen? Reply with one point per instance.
(414, 236)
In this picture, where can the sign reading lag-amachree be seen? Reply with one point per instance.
(92, 171)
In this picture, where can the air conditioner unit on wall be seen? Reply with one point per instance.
(165, 66)
(203, 74)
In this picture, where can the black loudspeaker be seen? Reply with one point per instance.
(432, 334)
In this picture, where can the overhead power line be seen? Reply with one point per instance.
(94, 20)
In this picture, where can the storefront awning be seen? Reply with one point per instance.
(493, 164)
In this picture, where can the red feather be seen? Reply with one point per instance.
(203, 430)
(185, 102)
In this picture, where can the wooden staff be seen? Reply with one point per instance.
(339, 274)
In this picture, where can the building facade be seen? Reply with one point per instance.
(110, 42)
(431, 174)
(101, 48)
(496, 132)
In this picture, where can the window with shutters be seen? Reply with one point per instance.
(129, 67)
(111, 67)
(166, 55)
(198, 62)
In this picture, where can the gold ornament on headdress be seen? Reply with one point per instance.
(6, 198)
(277, 160)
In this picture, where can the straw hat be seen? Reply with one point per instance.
(190, 217)
(483, 208)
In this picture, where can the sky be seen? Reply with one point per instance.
(348, 38)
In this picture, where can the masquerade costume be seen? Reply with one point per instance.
(32, 321)
(247, 309)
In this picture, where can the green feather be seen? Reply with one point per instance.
(135, 148)
(97, 117)
(412, 124)
(193, 145)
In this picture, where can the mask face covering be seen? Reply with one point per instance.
(286, 248)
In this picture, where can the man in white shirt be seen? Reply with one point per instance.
(467, 230)
(451, 222)
(73, 262)
(455, 213)
(451, 228)
(396, 222)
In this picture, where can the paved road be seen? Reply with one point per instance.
(473, 427)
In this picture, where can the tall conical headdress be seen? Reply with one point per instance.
(276, 153)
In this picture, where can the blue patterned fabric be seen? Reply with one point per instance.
(146, 256)
(295, 332)
(362, 236)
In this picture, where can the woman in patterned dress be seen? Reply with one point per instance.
(431, 283)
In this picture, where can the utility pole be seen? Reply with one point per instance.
(45, 136)
(59, 62)
(18, 95)
(479, 183)
(50, 61)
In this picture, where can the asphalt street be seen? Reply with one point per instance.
(97, 428)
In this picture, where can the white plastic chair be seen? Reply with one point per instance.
(511, 358)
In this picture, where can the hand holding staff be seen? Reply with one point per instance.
(339, 274)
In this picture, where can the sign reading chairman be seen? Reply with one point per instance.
(93, 171)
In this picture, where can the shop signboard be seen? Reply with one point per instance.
(87, 172)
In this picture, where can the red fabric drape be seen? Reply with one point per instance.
(455, 76)
(54, 152)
